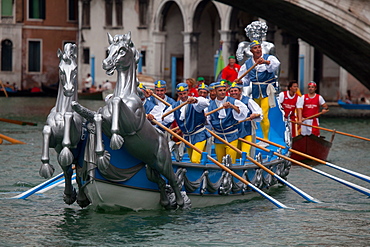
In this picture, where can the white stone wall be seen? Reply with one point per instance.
(188, 40)
(13, 32)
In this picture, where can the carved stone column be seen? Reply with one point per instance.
(306, 52)
(190, 54)
(226, 37)
(159, 39)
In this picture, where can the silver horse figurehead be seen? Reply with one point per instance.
(68, 68)
(117, 50)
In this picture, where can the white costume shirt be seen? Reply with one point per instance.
(273, 66)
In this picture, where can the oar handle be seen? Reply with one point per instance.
(248, 119)
(2, 85)
(176, 128)
(246, 72)
(315, 115)
(174, 109)
(161, 100)
(213, 111)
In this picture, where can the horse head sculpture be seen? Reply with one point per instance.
(123, 120)
(68, 69)
(119, 54)
(63, 129)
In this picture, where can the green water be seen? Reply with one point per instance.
(342, 219)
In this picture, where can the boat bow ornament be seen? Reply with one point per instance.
(123, 160)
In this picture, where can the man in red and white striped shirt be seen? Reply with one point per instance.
(309, 105)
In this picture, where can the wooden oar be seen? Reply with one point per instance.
(12, 140)
(248, 119)
(336, 131)
(5, 92)
(176, 128)
(17, 122)
(161, 100)
(246, 72)
(342, 181)
(274, 201)
(300, 192)
(353, 173)
(174, 109)
(315, 115)
(213, 111)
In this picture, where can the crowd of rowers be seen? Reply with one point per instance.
(223, 108)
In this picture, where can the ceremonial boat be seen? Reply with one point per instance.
(124, 161)
(125, 183)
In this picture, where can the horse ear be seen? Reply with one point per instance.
(74, 46)
(137, 56)
(129, 36)
(59, 54)
(110, 38)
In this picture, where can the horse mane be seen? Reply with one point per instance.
(69, 53)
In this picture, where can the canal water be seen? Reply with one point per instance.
(342, 219)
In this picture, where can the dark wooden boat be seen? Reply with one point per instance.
(312, 145)
(22, 93)
(91, 96)
(51, 90)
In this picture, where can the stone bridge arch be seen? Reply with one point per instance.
(340, 29)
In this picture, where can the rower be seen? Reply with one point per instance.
(190, 118)
(225, 121)
(255, 114)
(203, 90)
(309, 105)
(288, 102)
(160, 89)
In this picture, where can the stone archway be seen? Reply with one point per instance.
(206, 26)
(170, 39)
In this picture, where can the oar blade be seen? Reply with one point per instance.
(297, 190)
(344, 182)
(353, 173)
(271, 199)
(37, 188)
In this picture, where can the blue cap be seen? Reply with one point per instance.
(203, 86)
(182, 87)
(236, 85)
(221, 83)
(254, 43)
(160, 84)
(212, 86)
